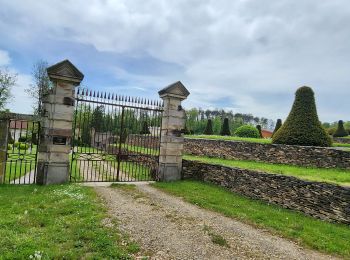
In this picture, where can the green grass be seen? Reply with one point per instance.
(337, 176)
(243, 139)
(61, 221)
(230, 138)
(316, 234)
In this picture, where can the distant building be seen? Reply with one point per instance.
(18, 128)
(266, 133)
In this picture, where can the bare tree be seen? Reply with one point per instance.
(40, 86)
(7, 81)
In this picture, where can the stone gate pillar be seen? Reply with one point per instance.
(171, 139)
(56, 127)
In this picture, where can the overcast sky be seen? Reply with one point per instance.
(249, 55)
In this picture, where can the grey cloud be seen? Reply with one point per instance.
(249, 50)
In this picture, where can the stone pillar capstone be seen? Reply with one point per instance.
(171, 139)
(56, 125)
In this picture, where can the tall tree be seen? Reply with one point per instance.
(7, 81)
(97, 118)
(40, 86)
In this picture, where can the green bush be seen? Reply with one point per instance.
(23, 146)
(9, 147)
(247, 131)
(124, 135)
(16, 144)
(278, 126)
(186, 130)
(22, 139)
(259, 130)
(145, 129)
(302, 126)
(209, 128)
(225, 129)
(10, 140)
(331, 130)
(340, 132)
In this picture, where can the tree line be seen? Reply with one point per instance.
(196, 120)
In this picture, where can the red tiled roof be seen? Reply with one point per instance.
(18, 124)
(266, 133)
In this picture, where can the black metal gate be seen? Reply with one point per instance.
(115, 138)
(21, 155)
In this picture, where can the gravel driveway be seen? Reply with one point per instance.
(166, 227)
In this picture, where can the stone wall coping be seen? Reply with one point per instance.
(305, 182)
(276, 145)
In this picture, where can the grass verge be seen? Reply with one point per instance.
(316, 234)
(231, 138)
(244, 139)
(335, 176)
(59, 221)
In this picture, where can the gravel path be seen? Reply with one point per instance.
(166, 227)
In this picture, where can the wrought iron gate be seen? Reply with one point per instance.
(115, 138)
(21, 155)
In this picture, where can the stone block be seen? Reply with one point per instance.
(169, 172)
(58, 157)
(61, 124)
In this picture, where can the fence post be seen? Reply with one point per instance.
(4, 124)
(56, 130)
(171, 139)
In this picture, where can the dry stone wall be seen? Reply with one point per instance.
(320, 200)
(287, 154)
(341, 140)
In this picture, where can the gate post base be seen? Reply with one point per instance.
(169, 172)
(52, 173)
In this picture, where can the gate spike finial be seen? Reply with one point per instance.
(94, 95)
(109, 96)
(105, 95)
(78, 91)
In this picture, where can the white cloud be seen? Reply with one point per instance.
(20, 102)
(4, 58)
(248, 51)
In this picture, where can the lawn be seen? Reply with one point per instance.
(337, 176)
(230, 138)
(60, 221)
(243, 139)
(307, 231)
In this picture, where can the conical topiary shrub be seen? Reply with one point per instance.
(225, 129)
(209, 128)
(340, 132)
(186, 130)
(302, 126)
(259, 129)
(278, 126)
(145, 129)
